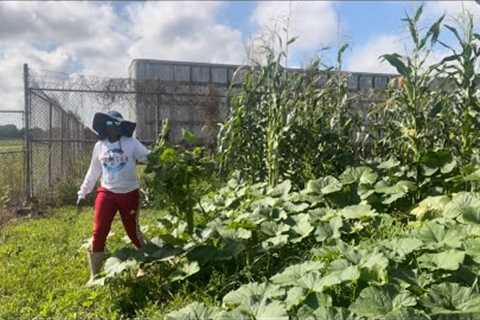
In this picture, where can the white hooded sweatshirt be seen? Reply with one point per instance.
(115, 162)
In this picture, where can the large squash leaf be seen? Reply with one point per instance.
(256, 300)
(324, 186)
(435, 235)
(316, 282)
(433, 205)
(403, 247)
(451, 298)
(292, 274)
(447, 260)
(194, 311)
(352, 175)
(376, 302)
(359, 211)
(461, 203)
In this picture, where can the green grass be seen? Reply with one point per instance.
(10, 145)
(12, 176)
(44, 270)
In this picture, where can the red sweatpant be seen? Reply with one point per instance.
(106, 206)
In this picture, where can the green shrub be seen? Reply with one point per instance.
(174, 176)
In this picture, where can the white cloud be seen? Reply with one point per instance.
(314, 23)
(183, 31)
(452, 8)
(94, 38)
(56, 36)
(366, 58)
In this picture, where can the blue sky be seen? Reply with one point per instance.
(359, 23)
(360, 19)
(101, 38)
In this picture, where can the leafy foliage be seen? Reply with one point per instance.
(319, 217)
(348, 266)
(283, 126)
(172, 173)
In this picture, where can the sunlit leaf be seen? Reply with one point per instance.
(185, 270)
(379, 301)
(292, 274)
(194, 311)
(357, 212)
(451, 298)
(447, 260)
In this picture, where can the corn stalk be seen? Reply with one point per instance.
(414, 107)
(465, 101)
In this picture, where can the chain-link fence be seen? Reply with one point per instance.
(58, 107)
(58, 146)
(12, 157)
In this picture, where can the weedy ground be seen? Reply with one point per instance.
(44, 269)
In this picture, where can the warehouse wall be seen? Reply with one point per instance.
(194, 95)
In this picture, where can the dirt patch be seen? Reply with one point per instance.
(21, 212)
(6, 215)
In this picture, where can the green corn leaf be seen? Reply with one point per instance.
(455, 33)
(418, 13)
(340, 53)
(395, 61)
(433, 32)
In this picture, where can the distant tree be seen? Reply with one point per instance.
(10, 131)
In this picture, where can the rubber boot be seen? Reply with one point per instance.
(141, 239)
(95, 260)
(140, 271)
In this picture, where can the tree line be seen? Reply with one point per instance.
(10, 131)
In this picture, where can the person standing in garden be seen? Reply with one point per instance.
(114, 159)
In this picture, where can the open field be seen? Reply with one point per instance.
(11, 145)
(12, 178)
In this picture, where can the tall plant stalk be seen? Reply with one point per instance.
(413, 104)
(461, 70)
(296, 128)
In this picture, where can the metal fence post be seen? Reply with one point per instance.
(62, 126)
(50, 111)
(157, 111)
(27, 142)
